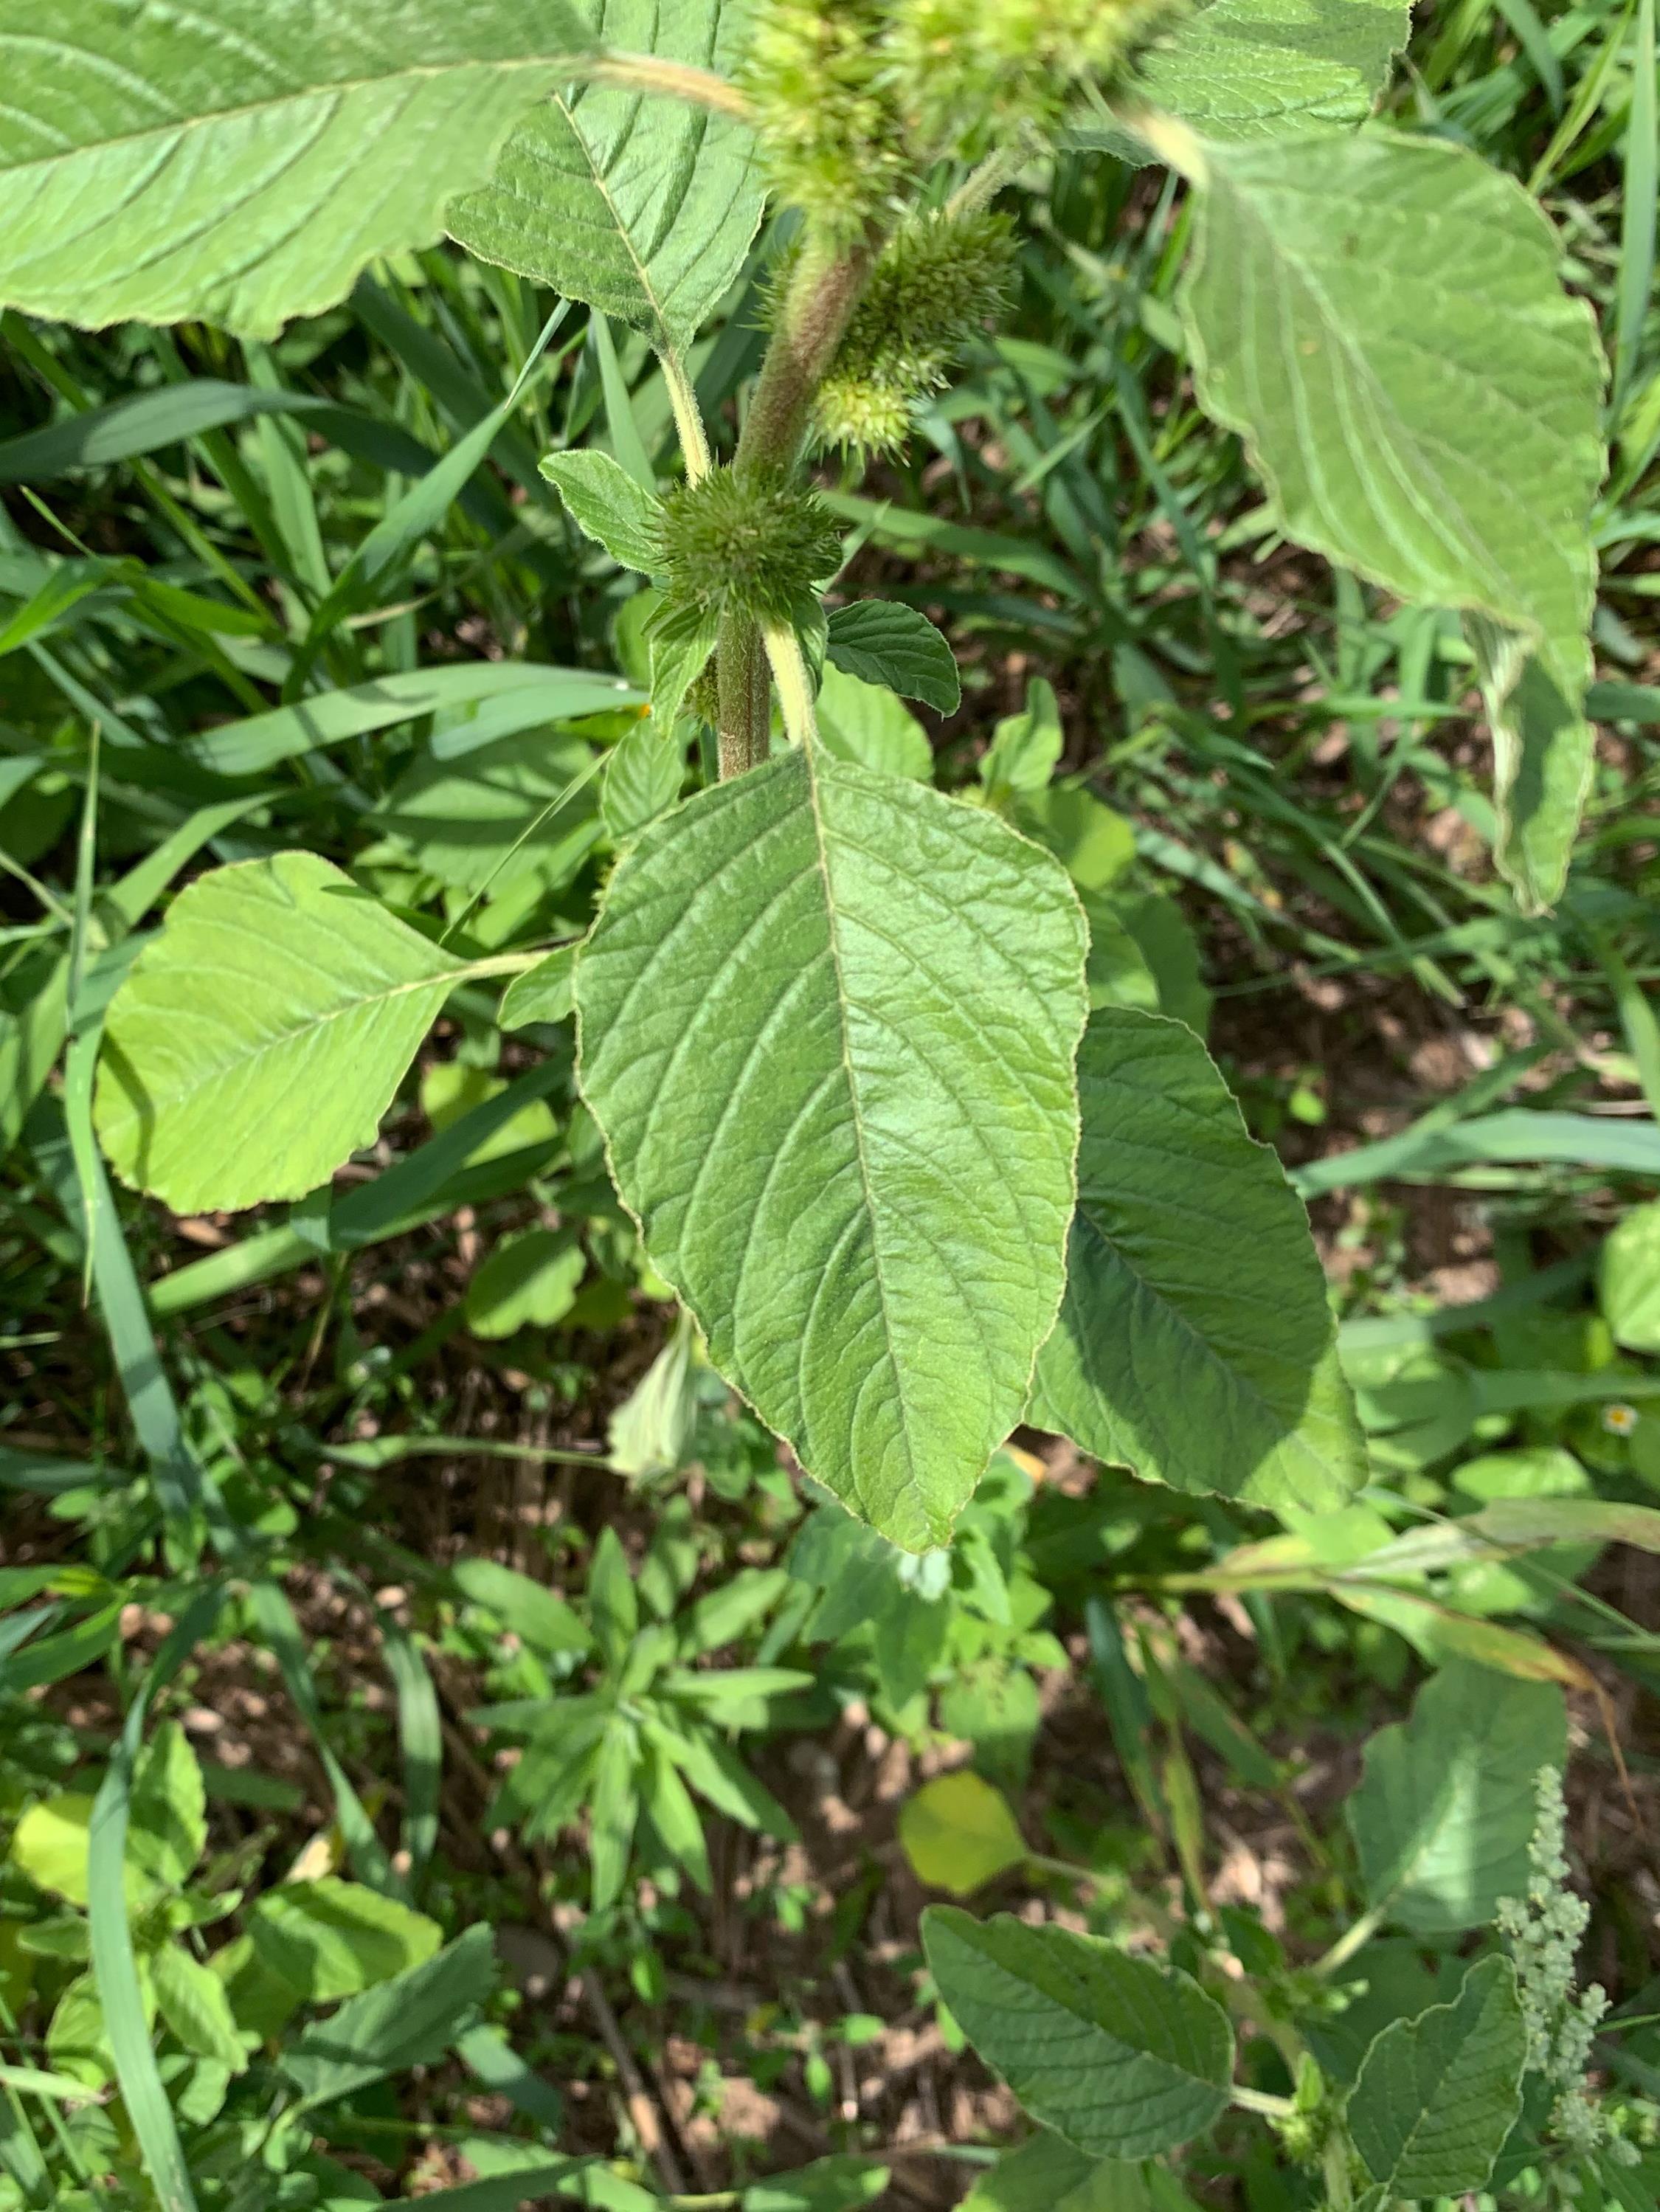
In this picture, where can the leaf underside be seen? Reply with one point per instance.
(1265, 69)
(1343, 302)
(827, 1022)
(242, 167)
(1172, 1355)
(641, 206)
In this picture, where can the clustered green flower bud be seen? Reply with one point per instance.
(1544, 1930)
(825, 112)
(853, 100)
(756, 545)
(940, 278)
(976, 71)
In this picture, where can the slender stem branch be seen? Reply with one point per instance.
(1259, 2100)
(699, 88)
(789, 674)
(1353, 1939)
(688, 415)
(1000, 168)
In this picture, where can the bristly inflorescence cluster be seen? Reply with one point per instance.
(939, 279)
(1544, 1930)
(854, 100)
(753, 544)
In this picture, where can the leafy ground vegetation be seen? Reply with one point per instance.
(451, 1748)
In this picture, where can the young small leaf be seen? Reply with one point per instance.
(886, 643)
(260, 1088)
(1436, 2096)
(1122, 2057)
(785, 1022)
(527, 1281)
(542, 993)
(609, 507)
(192, 2000)
(642, 777)
(1341, 303)
(643, 208)
(1171, 1355)
(1445, 1805)
(958, 1832)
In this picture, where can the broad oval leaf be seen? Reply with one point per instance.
(642, 207)
(243, 166)
(887, 642)
(827, 1020)
(260, 1088)
(1437, 2095)
(1173, 1355)
(1382, 319)
(1445, 1805)
(1266, 68)
(1123, 2058)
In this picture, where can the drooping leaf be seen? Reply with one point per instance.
(1172, 1355)
(642, 207)
(1341, 303)
(260, 1090)
(404, 2022)
(1122, 2057)
(1266, 68)
(958, 1832)
(1445, 1806)
(884, 641)
(243, 169)
(818, 1006)
(609, 507)
(1437, 2095)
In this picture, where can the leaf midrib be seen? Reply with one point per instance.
(862, 1152)
(444, 979)
(342, 86)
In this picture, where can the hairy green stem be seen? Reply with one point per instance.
(981, 185)
(745, 700)
(823, 293)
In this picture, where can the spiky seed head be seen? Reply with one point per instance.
(756, 544)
